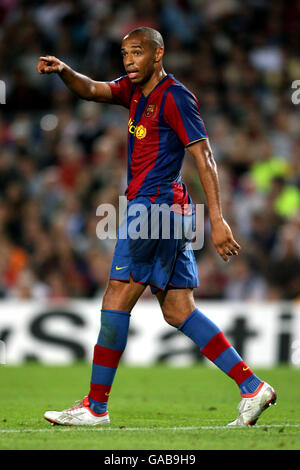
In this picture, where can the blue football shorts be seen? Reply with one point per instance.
(154, 246)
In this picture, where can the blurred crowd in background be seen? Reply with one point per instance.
(61, 157)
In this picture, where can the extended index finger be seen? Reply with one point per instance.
(46, 58)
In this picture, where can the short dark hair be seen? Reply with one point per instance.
(152, 35)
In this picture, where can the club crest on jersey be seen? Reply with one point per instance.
(150, 110)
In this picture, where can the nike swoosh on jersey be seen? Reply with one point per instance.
(121, 267)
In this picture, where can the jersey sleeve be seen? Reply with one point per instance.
(181, 113)
(121, 91)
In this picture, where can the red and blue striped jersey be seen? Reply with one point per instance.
(160, 126)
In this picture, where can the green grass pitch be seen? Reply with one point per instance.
(160, 407)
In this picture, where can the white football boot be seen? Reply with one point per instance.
(252, 405)
(78, 415)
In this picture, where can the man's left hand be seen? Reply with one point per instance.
(223, 240)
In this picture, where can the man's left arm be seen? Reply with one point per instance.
(221, 233)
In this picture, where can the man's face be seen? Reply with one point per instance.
(139, 58)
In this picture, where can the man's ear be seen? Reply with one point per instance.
(159, 54)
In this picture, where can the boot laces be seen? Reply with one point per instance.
(78, 404)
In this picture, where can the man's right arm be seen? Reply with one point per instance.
(79, 84)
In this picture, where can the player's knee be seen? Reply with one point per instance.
(121, 295)
(114, 296)
(171, 317)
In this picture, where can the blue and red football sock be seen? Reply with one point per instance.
(216, 348)
(110, 345)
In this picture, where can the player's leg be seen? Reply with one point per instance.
(180, 311)
(118, 301)
(130, 258)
